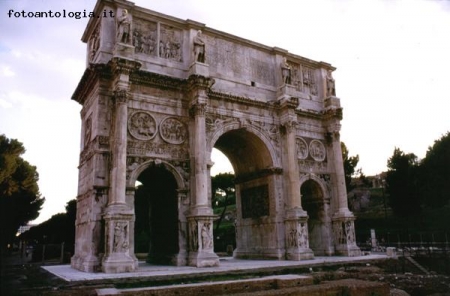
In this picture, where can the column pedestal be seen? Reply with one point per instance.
(201, 241)
(297, 243)
(344, 235)
(118, 257)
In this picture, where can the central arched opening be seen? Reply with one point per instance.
(156, 210)
(254, 184)
(313, 204)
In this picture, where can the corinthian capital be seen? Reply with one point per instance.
(121, 96)
(197, 110)
(290, 126)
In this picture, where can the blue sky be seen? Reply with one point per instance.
(392, 76)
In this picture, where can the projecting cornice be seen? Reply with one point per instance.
(90, 76)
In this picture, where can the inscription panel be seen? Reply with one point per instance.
(238, 61)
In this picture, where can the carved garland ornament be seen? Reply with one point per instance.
(142, 126)
(173, 131)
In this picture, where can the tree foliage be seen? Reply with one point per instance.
(435, 173)
(350, 163)
(222, 183)
(60, 228)
(402, 184)
(20, 200)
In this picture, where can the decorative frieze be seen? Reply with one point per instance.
(141, 148)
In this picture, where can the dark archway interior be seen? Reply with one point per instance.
(156, 208)
(246, 152)
(312, 200)
(313, 204)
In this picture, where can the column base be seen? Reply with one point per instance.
(267, 254)
(203, 259)
(299, 254)
(116, 263)
(88, 264)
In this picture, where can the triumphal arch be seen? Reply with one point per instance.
(158, 94)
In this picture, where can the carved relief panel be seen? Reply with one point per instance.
(142, 126)
(152, 135)
(173, 131)
(297, 236)
(303, 78)
(145, 37)
(170, 43)
(311, 154)
(94, 43)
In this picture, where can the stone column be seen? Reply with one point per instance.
(119, 255)
(201, 217)
(296, 219)
(343, 219)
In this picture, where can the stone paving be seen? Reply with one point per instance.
(226, 264)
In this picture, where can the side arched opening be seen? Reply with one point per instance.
(156, 211)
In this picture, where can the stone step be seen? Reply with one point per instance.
(278, 282)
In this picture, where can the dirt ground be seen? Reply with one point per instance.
(19, 277)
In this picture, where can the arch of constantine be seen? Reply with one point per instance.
(158, 94)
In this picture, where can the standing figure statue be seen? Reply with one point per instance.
(286, 71)
(199, 48)
(123, 27)
(331, 91)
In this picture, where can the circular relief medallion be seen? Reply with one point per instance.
(173, 131)
(317, 150)
(142, 126)
(302, 148)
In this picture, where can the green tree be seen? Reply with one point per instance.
(435, 173)
(20, 200)
(402, 184)
(60, 228)
(222, 187)
(350, 163)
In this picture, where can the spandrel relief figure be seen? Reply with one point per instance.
(331, 91)
(199, 47)
(123, 27)
(286, 71)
